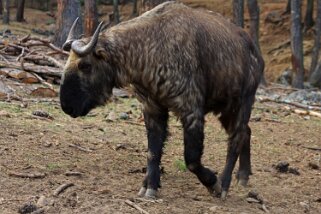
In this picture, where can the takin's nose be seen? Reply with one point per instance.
(68, 109)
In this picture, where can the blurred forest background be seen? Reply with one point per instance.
(287, 32)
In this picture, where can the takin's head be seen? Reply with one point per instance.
(88, 78)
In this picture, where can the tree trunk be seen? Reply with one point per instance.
(308, 20)
(288, 7)
(238, 12)
(317, 42)
(6, 11)
(296, 44)
(51, 6)
(1, 7)
(315, 79)
(91, 17)
(20, 11)
(135, 12)
(68, 11)
(254, 12)
(116, 11)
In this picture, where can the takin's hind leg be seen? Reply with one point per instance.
(193, 149)
(235, 144)
(156, 126)
(245, 171)
(239, 133)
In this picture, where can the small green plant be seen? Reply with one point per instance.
(52, 166)
(180, 165)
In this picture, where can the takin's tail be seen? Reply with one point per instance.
(257, 54)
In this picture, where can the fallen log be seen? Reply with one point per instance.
(52, 71)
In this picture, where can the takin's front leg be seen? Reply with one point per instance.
(156, 126)
(193, 149)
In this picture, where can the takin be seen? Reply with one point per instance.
(187, 61)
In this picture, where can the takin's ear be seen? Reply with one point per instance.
(101, 53)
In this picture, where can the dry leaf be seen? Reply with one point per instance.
(44, 92)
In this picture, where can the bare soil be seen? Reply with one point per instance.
(115, 154)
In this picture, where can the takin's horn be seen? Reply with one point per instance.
(82, 50)
(71, 36)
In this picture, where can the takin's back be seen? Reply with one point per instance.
(178, 44)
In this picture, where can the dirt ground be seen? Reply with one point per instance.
(113, 162)
(108, 154)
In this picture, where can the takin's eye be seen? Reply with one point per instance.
(84, 66)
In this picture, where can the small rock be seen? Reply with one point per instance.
(40, 113)
(256, 118)
(305, 206)
(3, 113)
(24, 105)
(120, 93)
(307, 117)
(47, 144)
(27, 208)
(142, 170)
(43, 201)
(294, 171)
(124, 116)
(111, 117)
(285, 78)
(283, 167)
(214, 208)
(254, 195)
(313, 165)
(120, 146)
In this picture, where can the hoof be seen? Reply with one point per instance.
(142, 192)
(216, 189)
(151, 193)
(223, 195)
(243, 182)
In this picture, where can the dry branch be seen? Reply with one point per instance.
(80, 148)
(43, 81)
(62, 188)
(307, 112)
(71, 173)
(299, 105)
(312, 148)
(4, 58)
(35, 41)
(132, 204)
(27, 175)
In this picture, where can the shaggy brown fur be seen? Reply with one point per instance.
(177, 59)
